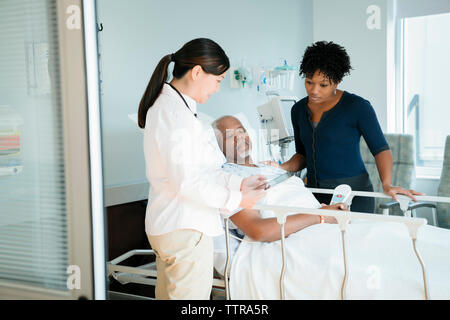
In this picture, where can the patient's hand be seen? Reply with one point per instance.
(337, 206)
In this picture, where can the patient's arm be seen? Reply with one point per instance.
(268, 229)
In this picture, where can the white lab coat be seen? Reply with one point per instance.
(183, 166)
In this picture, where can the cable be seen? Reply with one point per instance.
(425, 285)
(344, 282)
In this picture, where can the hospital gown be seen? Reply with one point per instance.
(299, 192)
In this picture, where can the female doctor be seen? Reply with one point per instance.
(183, 165)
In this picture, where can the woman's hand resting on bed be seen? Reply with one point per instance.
(392, 191)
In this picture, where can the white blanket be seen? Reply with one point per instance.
(381, 259)
(292, 192)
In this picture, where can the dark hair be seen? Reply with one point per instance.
(330, 58)
(203, 52)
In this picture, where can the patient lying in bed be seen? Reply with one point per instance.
(236, 146)
(381, 260)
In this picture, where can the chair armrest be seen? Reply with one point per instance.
(389, 205)
(411, 206)
(419, 204)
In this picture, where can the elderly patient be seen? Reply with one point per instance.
(236, 146)
(382, 263)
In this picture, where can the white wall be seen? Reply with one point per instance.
(138, 33)
(344, 22)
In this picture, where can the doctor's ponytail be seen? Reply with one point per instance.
(203, 52)
(154, 88)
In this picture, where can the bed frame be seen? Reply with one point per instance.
(146, 274)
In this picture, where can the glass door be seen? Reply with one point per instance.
(50, 185)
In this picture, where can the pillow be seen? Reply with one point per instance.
(253, 134)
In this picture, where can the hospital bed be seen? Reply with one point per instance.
(146, 274)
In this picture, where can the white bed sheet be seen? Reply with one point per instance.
(292, 192)
(381, 264)
(381, 259)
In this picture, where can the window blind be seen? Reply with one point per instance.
(33, 226)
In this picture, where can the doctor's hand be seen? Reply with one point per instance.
(253, 189)
(251, 197)
(393, 191)
(254, 182)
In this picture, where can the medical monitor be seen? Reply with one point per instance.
(275, 117)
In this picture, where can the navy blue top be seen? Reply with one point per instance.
(332, 149)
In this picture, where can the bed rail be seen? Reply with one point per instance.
(146, 274)
(344, 217)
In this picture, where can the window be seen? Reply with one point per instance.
(425, 82)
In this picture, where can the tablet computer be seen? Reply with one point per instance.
(278, 179)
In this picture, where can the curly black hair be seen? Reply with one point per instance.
(330, 58)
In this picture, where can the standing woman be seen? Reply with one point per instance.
(328, 125)
(188, 189)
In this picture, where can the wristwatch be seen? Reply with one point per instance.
(322, 219)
